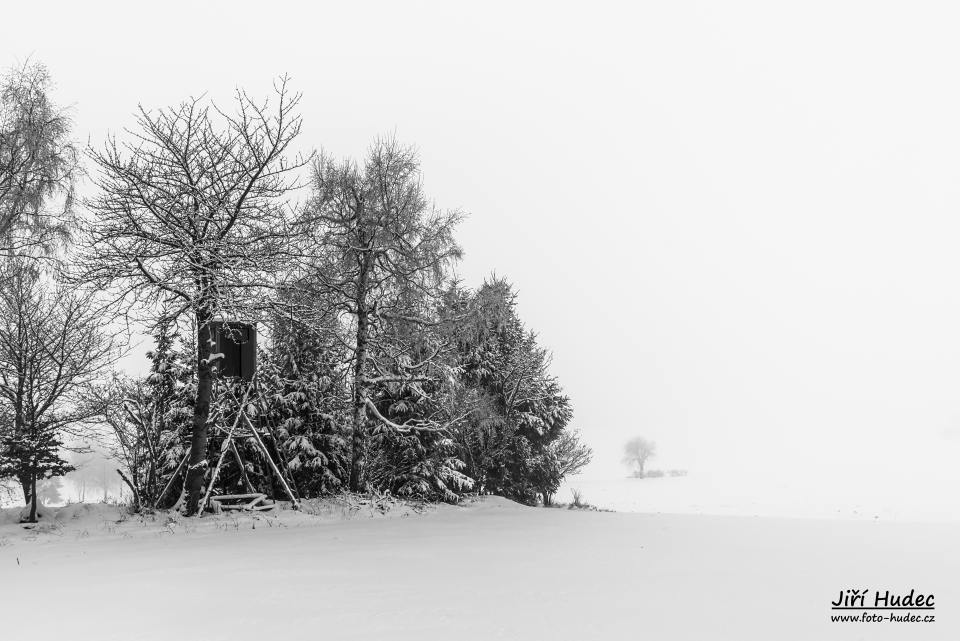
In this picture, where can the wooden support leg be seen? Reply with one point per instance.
(216, 472)
(173, 478)
(276, 470)
(243, 469)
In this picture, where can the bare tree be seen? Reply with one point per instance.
(573, 455)
(140, 443)
(636, 452)
(191, 215)
(563, 457)
(383, 250)
(38, 162)
(52, 347)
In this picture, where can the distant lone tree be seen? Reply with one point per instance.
(636, 452)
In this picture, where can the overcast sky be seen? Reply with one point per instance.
(735, 224)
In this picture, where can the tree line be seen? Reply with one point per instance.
(379, 369)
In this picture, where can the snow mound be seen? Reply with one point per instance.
(9, 515)
(88, 512)
(104, 521)
(78, 515)
(492, 501)
(16, 515)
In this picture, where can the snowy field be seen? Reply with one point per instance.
(487, 570)
(913, 499)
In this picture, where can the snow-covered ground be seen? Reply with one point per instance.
(876, 498)
(486, 570)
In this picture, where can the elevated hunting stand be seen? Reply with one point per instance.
(235, 367)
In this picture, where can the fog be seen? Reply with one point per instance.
(735, 224)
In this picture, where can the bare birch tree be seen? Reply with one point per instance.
(191, 215)
(38, 162)
(382, 249)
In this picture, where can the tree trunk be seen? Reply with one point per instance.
(359, 402)
(196, 471)
(136, 495)
(25, 486)
(33, 499)
(20, 423)
(359, 367)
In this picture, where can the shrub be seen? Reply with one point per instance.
(579, 503)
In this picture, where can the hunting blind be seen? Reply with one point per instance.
(237, 341)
